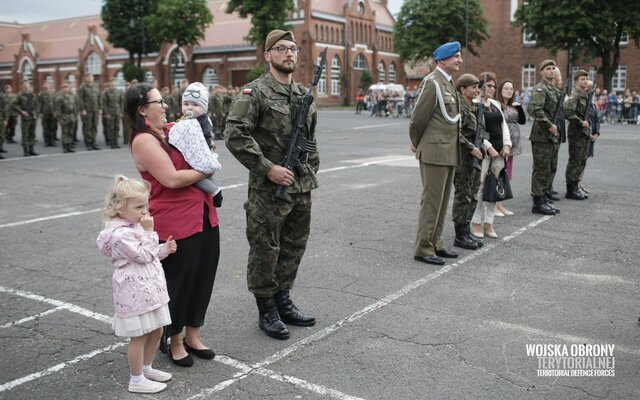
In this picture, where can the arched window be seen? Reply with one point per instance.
(392, 72)
(209, 78)
(51, 82)
(335, 76)
(72, 82)
(93, 65)
(359, 62)
(177, 67)
(332, 37)
(381, 72)
(322, 83)
(316, 32)
(27, 72)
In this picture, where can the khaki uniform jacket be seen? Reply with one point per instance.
(89, 97)
(575, 110)
(435, 139)
(542, 106)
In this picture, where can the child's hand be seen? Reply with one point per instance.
(172, 246)
(147, 222)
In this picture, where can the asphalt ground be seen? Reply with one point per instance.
(388, 327)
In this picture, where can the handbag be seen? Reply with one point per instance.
(496, 188)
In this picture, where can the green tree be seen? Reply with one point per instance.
(366, 79)
(125, 23)
(590, 29)
(181, 21)
(266, 15)
(255, 73)
(423, 25)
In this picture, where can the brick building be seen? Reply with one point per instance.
(356, 32)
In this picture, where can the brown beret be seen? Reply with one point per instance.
(276, 35)
(546, 63)
(466, 80)
(577, 74)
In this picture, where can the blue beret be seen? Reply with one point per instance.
(446, 50)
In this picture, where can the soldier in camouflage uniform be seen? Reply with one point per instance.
(257, 133)
(466, 179)
(544, 137)
(579, 134)
(10, 114)
(111, 113)
(49, 127)
(27, 107)
(89, 98)
(216, 112)
(66, 112)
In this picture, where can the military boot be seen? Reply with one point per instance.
(551, 205)
(32, 152)
(551, 196)
(269, 320)
(462, 240)
(289, 312)
(94, 146)
(67, 148)
(2, 150)
(540, 207)
(467, 231)
(573, 192)
(25, 151)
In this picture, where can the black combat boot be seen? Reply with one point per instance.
(551, 196)
(269, 320)
(25, 151)
(540, 207)
(94, 146)
(462, 240)
(551, 205)
(289, 312)
(2, 150)
(467, 230)
(67, 148)
(32, 152)
(573, 192)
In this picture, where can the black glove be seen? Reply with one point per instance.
(217, 200)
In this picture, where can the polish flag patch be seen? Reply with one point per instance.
(247, 91)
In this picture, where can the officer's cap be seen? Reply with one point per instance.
(577, 74)
(546, 63)
(446, 50)
(467, 80)
(275, 35)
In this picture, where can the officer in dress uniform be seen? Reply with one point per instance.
(434, 132)
(258, 131)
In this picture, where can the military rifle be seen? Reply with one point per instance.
(479, 135)
(299, 145)
(587, 131)
(559, 112)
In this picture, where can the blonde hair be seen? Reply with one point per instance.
(122, 191)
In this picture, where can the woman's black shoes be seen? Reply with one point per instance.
(206, 354)
(183, 362)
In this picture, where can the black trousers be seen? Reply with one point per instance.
(190, 274)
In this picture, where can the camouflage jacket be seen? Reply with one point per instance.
(110, 103)
(26, 102)
(468, 126)
(3, 114)
(66, 108)
(575, 110)
(542, 106)
(259, 128)
(45, 100)
(9, 100)
(89, 97)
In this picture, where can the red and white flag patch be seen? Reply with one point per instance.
(247, 91)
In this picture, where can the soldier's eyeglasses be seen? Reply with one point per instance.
(161, 102)
(193, 93)
(283, 49)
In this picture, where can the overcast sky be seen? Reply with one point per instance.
(27, 11)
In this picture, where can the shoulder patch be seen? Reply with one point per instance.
(247, 91)
(539, 90)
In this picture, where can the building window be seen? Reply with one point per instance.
(381, 72)
(210, 78)
(93, 65)
(148, 76)
(359, 62)
(528, 38)
(322, 83)
(624, 39)
(27, 73)
(120, 80)
(619, 80)
(177, 67)
(51, 82)
(528, 76)
(593, 74)
(72, 82)
(392, 73)
(335, 76)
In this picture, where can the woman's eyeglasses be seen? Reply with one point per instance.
(161, 102)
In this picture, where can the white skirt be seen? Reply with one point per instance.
(142, 324)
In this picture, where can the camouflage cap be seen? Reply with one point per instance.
(466, 80)
(546, 63)
(276, 35)
(577, 74)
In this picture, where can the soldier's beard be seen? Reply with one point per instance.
(287, 69)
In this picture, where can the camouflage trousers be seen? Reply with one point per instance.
(49, 128)
(111, 129)
(90, 126)
(466, 182)
(28, 127)
(554, 164)
(67, 132)
(277, 233)
(578, 149)
(545, 161)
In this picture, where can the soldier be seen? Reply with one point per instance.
(10, 114)
(126, 133)
(49, 127)
(66, 112)
(27, 106)
(579, 134)
(434, 133)
(216, 112)
(175, 104)
(551, 195)
(544, 136)
(89, 97)
(227, 100)
(466, 180)
(257, 134)
(76, 100)
(111, 113)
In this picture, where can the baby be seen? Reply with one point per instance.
(192, 136)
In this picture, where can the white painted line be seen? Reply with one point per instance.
(59, 304)
(560, 336)
(297, 382)
(366, 164)
(31, 318)
(31, 221)
(375, 126)
(58, 367)
(596, 278)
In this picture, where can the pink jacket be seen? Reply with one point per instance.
(139, 285)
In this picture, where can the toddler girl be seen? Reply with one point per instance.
(140, 293)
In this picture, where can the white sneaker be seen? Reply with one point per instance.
(147, 386)
(157, 375)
